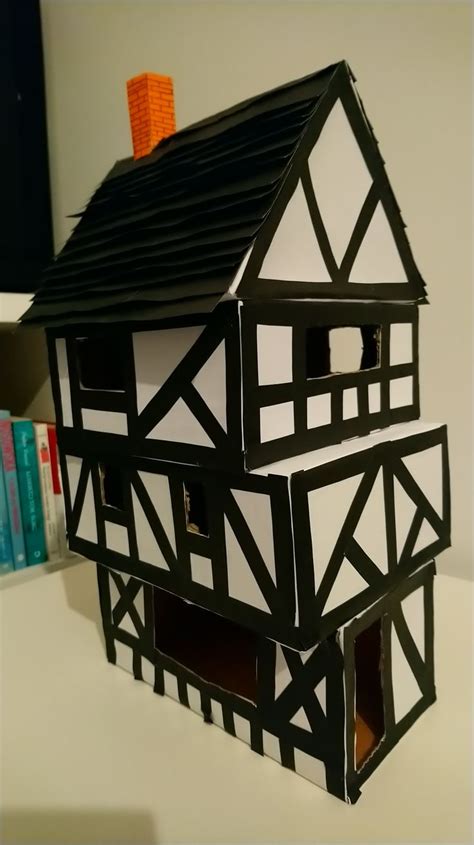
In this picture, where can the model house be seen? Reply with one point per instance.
(233, 340)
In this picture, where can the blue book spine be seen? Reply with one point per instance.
(12, 491)
(6, 556)
(30, 491)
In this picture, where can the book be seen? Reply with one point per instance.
(30, 491)
(57, 490)
(6, 555)
(12, 491)
(46, 487)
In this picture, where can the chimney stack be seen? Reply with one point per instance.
(151, 109)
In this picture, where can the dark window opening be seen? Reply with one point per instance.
(111, 486)
(101, 362)
(217, 650)
(370, 347)
(341, 349)
(318, 359)
(195, 508)
(370, 722)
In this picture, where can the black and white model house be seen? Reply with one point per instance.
(233, 340)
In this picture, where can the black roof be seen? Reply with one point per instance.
(165, 235)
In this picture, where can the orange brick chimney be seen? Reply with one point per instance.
(151, 108)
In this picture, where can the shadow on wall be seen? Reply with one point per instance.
(26, 353)
(81, 826)
(82, 594)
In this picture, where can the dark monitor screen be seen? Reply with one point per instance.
(26, 242)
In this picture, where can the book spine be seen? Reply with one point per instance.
(12, 493)
(30, 493)
(6, 555)
(57, 490)
(46, 485)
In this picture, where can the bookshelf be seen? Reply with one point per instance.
(25, 389)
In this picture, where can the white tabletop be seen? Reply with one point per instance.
(91, 756)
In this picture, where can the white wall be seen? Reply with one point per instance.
(412, 62)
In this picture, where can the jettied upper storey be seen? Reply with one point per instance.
(282, 196)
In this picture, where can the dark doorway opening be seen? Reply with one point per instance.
(370, 722)
(217, 650)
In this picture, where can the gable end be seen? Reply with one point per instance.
(335, 230)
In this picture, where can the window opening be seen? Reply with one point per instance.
(341, 349)
(195, 508)
(111, 486)
(101, 363)
(217, 650)
(370, 347)
(318, 361)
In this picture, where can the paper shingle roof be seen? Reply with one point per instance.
(165, 235)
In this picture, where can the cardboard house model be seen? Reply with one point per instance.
(233, 340)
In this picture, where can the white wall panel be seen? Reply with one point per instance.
(406, 691)
(340, 177)
(276, 421)
(116, 538)
(274, 354)
(87, 528)
(405, 509)
(257, 512)
(401, 392)
(378, 260)
(310, 768)
(148, 549)
(401, 343)
(73, 472)
(181, 426)
(201, 570)
(157, 354)
(319, 410)
(374, 398)
(124, 656)
(64, 385)
(242, 584)
(413, 610)
(328, 507)
(210, 381)
(370, 532)
(427, 469)
(110, 422)
(294, 254)
(348, 584)
(350, 404)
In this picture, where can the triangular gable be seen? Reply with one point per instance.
(335, 229)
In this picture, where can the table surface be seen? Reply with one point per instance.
(91, 756)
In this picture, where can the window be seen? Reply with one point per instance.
(101, 362)
(217, 650)
(370, 347)
(111, 486)
(370, 722)
(195, 508)
(318, 359)
(341, 349)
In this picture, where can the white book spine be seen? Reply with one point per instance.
(47, 493)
